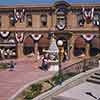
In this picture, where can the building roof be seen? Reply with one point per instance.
(14, 2)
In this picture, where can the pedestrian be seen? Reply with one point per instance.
(12, 65)
(45, 62)
(65, 58)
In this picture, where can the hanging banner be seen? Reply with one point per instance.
(36, 37)
(19, 15)
(19, 37)
(60, 25)
(88, 15)
(4, 34)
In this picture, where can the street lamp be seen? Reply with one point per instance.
(60, 44)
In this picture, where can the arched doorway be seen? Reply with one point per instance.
(28, 46)
(79, 46)
(43, 43)
(95, 46)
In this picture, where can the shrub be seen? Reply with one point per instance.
(58, 79)
(3, 65)
(28, 95)
(36, 87)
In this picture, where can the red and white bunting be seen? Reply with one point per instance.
(4, 34)
(19, 37)
(19, 14)
(61, 26)
(88, 37)
(36, 37)
(88, 15)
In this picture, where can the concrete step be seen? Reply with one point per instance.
(95, 77)
(97, 73)
(92, 80)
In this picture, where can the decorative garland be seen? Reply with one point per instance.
(19, 37)
(88, 15)
(88, 37)
(61, 26)
(36, 37)
(4, 34)
(11, 41)
(19, 15)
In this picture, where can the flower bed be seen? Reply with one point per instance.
(42, 86)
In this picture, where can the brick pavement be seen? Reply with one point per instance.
(25, 72)
(12, 81)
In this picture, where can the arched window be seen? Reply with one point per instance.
(81, 20)
(29, 20)
(96, 20)
(28, 47)
(79, 46)
(43, 19)
(12, 20)
(95, 46)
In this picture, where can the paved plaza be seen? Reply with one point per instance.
(25, 72)
(79, 92)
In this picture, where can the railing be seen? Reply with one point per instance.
(82, 66)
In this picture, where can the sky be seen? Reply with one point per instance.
(14, 2)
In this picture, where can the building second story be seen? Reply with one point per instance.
(43, 17)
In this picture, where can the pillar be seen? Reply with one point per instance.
(20, 50)
(36, 50)
(87, 49)
(71, 50)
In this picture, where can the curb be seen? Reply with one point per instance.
(27, 85)
(75, 79)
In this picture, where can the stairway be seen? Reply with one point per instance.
(95, 78)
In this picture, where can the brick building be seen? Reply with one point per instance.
(26, 29)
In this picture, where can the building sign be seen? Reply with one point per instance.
(60, 19)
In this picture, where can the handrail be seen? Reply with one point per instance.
(82, 66)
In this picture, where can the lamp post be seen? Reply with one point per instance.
(60, 44)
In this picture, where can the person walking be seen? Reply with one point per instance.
(12, 65)
(45, 62)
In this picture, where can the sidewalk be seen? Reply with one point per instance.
(25, 72)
